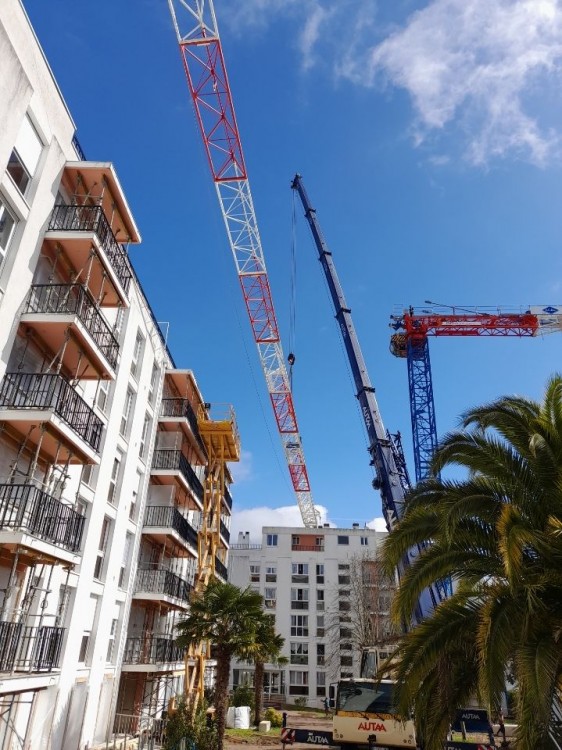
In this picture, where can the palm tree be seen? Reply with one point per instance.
(228, 617)
(496, 533)
(266, 648)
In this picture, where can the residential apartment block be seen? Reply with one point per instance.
(108, 517)
(328, 596)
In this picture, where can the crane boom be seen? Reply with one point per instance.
(390, 475)
(198, 38)
(415, 326)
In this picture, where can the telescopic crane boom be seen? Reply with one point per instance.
(391, 476)
(201, 50)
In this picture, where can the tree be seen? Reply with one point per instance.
(496, 534)
(266, 648)
(229, 618)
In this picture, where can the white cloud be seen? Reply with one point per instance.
(474, 62)
(378, 524)
(311, 34)
(242, 470)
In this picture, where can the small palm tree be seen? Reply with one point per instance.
(496, 534)
(227, 617)
(266, 648)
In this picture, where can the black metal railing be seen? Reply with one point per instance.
(221, 569)
(228, 498)
(160, 581)
(78, 148)
(21, 390)
(225, 533)
(27, 648)
(152, 648)
(24, 507)
(76, 300)
(81, 218)
(182, 408)
(167, 517)
(171, 459)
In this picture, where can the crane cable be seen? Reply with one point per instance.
(293, 293)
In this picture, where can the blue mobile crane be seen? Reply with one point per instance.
(385, 449)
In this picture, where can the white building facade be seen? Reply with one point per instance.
(102, 464)
(313, 583)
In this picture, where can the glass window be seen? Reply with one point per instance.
(137, 355)
(102, 547)
(343, 540)
(24, 158)
(153, 382)
(144, 435)
(114, 479)
(7, 224)
(127, 412)
(255, 573)
(299, 626)
(271, 540)
(299, 653)
(300, 569)
(320, 573)
(364, 541)
(271, 573)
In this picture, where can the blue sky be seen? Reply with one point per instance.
(428, 137)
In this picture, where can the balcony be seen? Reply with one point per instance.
(30, 400)
(162, 586)
(299, 605)
(179, 412)
(227, 498)
(225, 533)
(76, 228)
(44, 525)
(170, 466)
(25, 648)
(307, 547)
(152, 651)
(164, 522)
(54, 309)
(221, 569)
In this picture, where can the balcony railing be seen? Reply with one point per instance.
(181, 408)
(228, 498)
(26, 648)
(24, 507)
(165, 516)
(225, 533)
(152, 648)
(299, 605)
(80, 218)
(162, 582)
(221, 569)
(20, 390)
(75, 299)
(174, 460)
(307, 547)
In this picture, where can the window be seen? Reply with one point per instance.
(344, 606)
(320, 654)
(271, 540)
(153, 383)
(255, 573)
(135, 497)
(345, 632)
(84, 647)
(320, 600)
(271, 573)
(320, 683)
(296, 540)
(344, 646)
(24, 158)
(87, 474)
(344, 580)
(270, 598)
(119, 322)
(343, 566)
(144, 435)
(300, 572)
(298, 683)
(320, 626)
(124, 569)
(102, 547)
(113, 633)
(299, 598)
(114, 479)
(102, 395)
(127, 412)
(344, 593)
(299, 653)
(136, 362)
(299, 626)
(343, 540)
(364, 541)
(7, 224)
(320, 573)
(346, 661)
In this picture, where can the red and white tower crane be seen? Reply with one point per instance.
(198, 38)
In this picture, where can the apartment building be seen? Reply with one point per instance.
(108, 515)
(328, 596)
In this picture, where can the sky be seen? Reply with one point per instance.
(428, 136)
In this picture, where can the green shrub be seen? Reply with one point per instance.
(243, 695)
(199, 730)
(301, 701)
(275, 717)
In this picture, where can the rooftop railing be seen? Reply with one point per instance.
(82, 218)
(24, 507)
(20, 390)
(75, 299)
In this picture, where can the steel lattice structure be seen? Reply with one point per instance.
(198, 38)
(412, 342)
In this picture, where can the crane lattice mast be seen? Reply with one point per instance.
(415, 326)
(198, 37)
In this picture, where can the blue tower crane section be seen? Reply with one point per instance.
(386, 457)
(422, 406)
